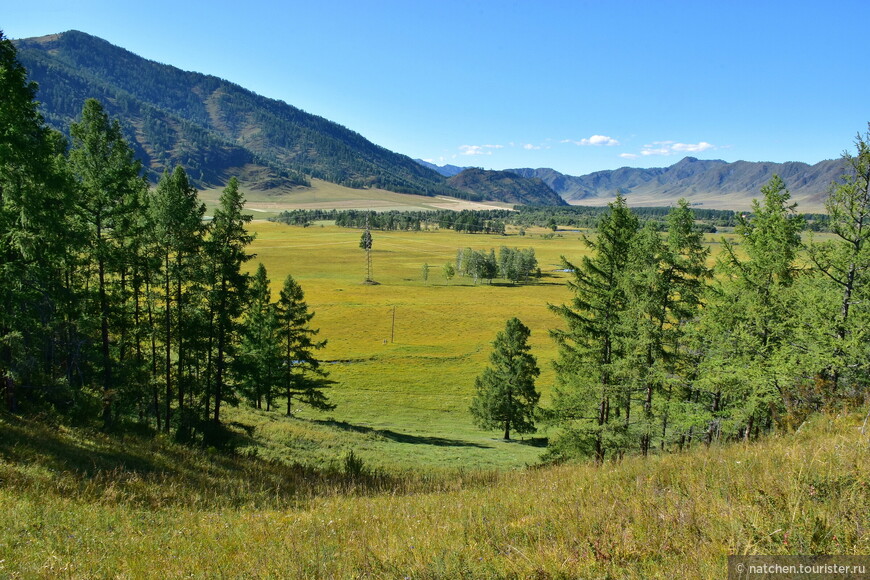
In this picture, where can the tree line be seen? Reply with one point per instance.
(660, 349)
(123, 301)
(495, 221)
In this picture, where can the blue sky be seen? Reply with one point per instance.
(578, 86)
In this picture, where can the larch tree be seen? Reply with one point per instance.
(260, 359)
(177, 228)
(226, 250)
(505, 395)
(585, 402)
(303, 378)
(839, 323)
(110, 186)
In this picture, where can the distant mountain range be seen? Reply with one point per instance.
(712, 183)
(217, 129)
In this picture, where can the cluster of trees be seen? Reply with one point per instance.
(124, 301)
(659, 350)
(513, 264)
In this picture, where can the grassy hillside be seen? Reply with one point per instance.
(82, 504)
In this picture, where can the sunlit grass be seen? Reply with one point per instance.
(661, 517)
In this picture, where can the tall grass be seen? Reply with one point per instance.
(663, 517)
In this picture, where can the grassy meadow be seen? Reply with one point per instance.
(396, 482)
(404, 389)
(405, 352)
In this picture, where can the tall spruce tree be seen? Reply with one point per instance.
(506, 397)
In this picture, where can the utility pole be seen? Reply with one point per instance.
(393, 330)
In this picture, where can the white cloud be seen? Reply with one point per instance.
(692, 147)
(628, 155)
(530, 147)
(473, 150)
(594, 140)
(671, 147)
(659, 151)
(479, 149)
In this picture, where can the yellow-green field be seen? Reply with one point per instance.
(324, 195)
(434, 496)
(403, 391)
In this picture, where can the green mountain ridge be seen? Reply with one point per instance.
(212, 127)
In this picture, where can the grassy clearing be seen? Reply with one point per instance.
(404, 390)
(209, 515)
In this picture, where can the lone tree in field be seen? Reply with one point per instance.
(506, 396)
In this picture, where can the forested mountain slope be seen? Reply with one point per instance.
(212, 127)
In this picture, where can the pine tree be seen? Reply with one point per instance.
(303, 378)
(506, 397)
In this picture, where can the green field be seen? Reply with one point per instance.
(434, 497)
(404, 390)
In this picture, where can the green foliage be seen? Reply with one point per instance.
(302, 377)
(586, 398)
(258, 365)
(506, 397)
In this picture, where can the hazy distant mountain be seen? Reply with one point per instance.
(713, 183)
(445, 170)
(505, 186)
(212, 127)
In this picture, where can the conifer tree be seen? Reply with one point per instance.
(836, 332)
(506, 397)
(226, 251)
(38, 239)
(750, 315)
(585, 397)
(177, 228)
(303, 378)
(110, 186)
(260, 355)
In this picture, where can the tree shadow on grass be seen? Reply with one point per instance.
(400, 437)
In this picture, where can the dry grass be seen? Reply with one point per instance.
(677, 516)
